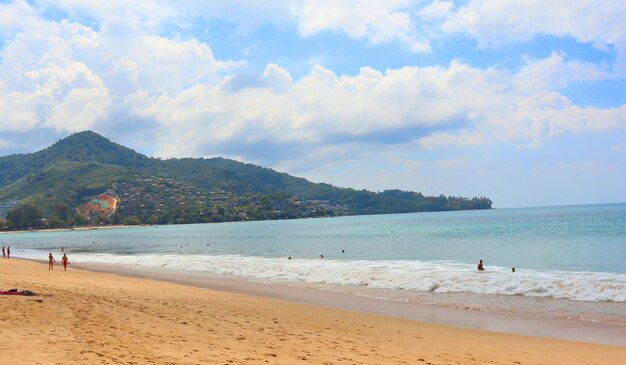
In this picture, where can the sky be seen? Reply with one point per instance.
(522, 101)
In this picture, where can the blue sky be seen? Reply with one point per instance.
(522, 101)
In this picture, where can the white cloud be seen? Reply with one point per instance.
(119, 16)
(555, 72)
(370, 20)
(436, 11)
(458, 106)
(68, 76)
(80, 110)
(17, 15)
(376, 21)
(494, 22)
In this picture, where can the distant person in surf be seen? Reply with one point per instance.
(8, 252)
(512, 269)
(50, 261)
(480, 266)
(65, 262)
(4, 255)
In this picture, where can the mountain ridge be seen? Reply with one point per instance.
(85, 164)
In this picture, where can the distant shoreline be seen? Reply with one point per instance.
(70, 229)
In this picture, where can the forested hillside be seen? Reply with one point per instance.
(85, 164)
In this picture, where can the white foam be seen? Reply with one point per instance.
(436, 277)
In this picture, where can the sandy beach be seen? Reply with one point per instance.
(82, 317)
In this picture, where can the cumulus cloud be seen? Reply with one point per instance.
(68, 76)
(434, 107)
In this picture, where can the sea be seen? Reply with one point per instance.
(570, 261)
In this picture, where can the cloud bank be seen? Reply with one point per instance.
(110, 66)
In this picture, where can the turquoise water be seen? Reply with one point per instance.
(572, 252)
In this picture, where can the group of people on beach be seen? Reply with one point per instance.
(64, 260)
(6, 253)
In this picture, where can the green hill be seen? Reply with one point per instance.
(85, 164)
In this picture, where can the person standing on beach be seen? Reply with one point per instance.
(50, 261)
(4, 255)
(480, 266)
(65, 262)
(8, 252)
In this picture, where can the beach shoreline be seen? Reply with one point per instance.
(92, 317)
(71, 229)
(471, 318)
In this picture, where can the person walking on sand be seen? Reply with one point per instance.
(65, 262)
(480, 266)
(50, 261)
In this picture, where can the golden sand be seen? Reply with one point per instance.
(82, 317)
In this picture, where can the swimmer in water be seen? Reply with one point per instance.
(480, 266)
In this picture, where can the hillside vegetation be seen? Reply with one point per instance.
(186, 190)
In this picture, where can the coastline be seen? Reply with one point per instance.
(90, 317)
(70, 229)
(516, 324)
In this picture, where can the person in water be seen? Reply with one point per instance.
(512, 269)
(50, 261)
(8, 252)
(480, 266)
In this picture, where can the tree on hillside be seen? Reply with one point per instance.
(24, 216)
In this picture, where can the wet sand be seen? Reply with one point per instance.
(82, 317)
